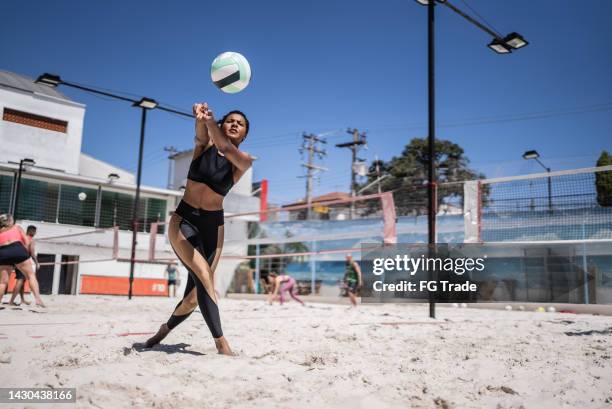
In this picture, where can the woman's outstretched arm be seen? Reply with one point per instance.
(201, 130)
(273, 292)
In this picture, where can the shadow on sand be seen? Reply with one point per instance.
(590, 332)
(169, 349)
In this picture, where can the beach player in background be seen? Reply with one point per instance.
(13, 251)
(282, 284)
(196, 227)
(171, 276)
(266, 284)
(19, 276)
(352, 279)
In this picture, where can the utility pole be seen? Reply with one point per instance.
(310, 144)
(377, 173)
(358, 140)
(171, 151)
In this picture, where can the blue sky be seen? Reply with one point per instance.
(322, 66)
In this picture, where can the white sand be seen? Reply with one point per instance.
(319, 356)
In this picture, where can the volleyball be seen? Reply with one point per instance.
(230, 72)
(82, 196)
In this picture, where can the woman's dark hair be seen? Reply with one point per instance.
(246, 120)
(271, 276)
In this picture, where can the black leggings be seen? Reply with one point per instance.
(200, 228)
(13, 253)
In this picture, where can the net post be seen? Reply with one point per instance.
(313, 272)
(257, 272)
(389, 218)
(585, 265)
(115, 242)
(471, 211)
(479, 237)
(152, 237)
(263, 201)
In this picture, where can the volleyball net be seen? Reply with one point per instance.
(542, 212)
(310, 241)
(564, 205)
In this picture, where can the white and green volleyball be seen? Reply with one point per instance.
(230, 72)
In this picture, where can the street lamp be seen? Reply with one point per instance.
(501, 45)
(536, 156)
(145, 104)
(515, 40)
(22, 165)
(112, 177)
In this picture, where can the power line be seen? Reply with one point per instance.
(482, 18)
(508, 118)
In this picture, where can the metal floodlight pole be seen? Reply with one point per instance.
(18, 186)
(431, 185)
(137, 200)
(15, 198)
(145, 104)
(499, 45)
(536, 156)
(550, 208)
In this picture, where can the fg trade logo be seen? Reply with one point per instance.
(158, 288)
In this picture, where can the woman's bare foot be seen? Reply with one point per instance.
(13, 304)
(40, 304)
(23, 301)
(223, 347)
(157, 338)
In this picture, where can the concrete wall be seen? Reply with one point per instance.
(95, 168)
(23, 141)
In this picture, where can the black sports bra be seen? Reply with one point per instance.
(212, 169)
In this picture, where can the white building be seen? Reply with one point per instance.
(82, 214)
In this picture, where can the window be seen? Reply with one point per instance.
(6, 192)
(156, 212)
(37, 121)
(37, 200)
(116, 210)
(76, 205)
(75, 209)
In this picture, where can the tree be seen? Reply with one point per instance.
(603, 181)
(408, 175)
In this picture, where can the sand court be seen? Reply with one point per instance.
(320, 355)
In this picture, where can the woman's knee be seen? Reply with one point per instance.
(191, 303)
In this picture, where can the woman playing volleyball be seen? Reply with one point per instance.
(282, 284)
(13, 251)
(196, 227)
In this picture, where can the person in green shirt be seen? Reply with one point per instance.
(352, 278)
